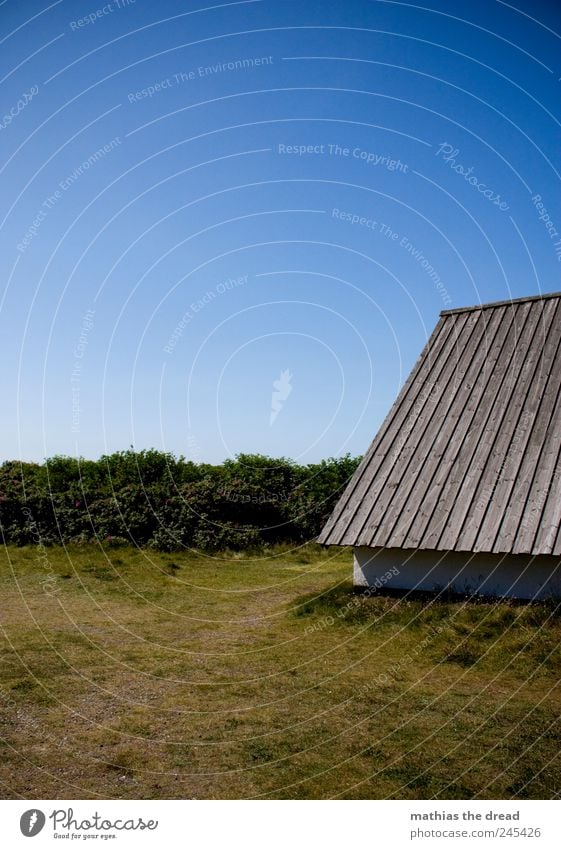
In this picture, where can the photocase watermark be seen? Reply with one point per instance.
(91, 160)
(262, 497)
(431, 393)
(52, 200)
(378, 583)
(93, 17)
(282, 387)
(23, 101)
(20, 715)
(419, 258)
(354, 218)
(449, 155)
(402, 241)
(551, 229)
(193, 448)
(32, 822)
(379, 160)
(50, 583)
(488, 492)
(395, 670)
(248, 63)
(64, 820)
(86, 327)
(539, 500)
(197, 306)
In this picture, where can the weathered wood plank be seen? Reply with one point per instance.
(461, 478)
(524, 508)
(544, 501)
(396, 461)
(429, 451)
(502, 387)
(433, 506)
(345, 508)
(483, 522)
(339, 524)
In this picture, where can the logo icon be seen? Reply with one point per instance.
(281, 390)
(31, 822)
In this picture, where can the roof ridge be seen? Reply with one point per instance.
(506, 303)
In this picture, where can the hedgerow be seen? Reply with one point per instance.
(153, 498)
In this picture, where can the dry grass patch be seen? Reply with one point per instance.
(179, 676)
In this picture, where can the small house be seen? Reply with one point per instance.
(461, 487)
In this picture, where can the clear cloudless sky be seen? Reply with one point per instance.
(231, 227)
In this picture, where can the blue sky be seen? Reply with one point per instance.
(210, 209)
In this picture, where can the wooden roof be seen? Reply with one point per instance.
(468, 458)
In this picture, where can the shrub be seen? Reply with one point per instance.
(154, 498)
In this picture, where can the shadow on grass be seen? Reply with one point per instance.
(460, 629)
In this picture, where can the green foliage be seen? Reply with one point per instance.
(153, 498)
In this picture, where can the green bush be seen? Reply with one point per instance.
(154, 498)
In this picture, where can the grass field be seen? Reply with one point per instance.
(144, 675)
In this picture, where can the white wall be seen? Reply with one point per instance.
(515, 576)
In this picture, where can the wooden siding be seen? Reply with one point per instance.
(468, 458)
